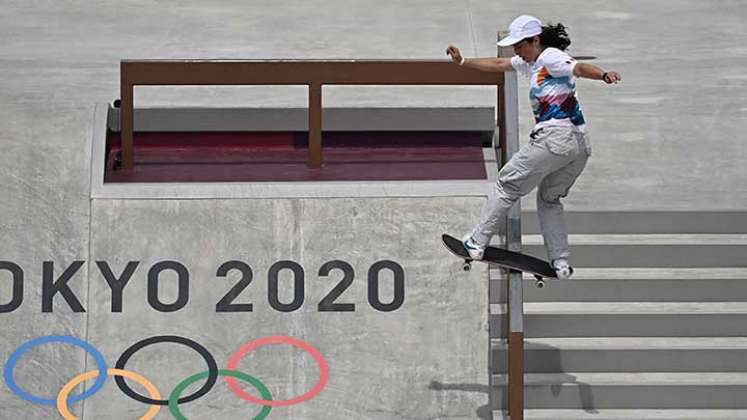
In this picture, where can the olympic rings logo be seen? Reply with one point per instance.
(210, 376)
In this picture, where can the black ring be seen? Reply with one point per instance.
(209, 359)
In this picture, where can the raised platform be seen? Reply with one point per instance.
(282, 156)
(218, 153)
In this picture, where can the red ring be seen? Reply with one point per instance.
(278, 339)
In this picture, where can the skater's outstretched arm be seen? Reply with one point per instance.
(590, 71)
(492, 64)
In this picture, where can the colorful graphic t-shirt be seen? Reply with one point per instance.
(552, 92)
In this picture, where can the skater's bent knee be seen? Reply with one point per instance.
(546, 198)
(507, 190)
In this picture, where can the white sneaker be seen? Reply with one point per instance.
(562, 269)
(475, 251)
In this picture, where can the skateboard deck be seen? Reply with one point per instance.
(514, 260)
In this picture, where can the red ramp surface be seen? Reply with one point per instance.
(283, 156)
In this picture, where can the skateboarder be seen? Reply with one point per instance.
(558, 146)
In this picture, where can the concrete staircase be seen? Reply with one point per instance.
(653, 324)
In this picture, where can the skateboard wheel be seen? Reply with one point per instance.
(540, 283)
(467, 266)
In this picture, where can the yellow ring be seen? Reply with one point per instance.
(68, 388)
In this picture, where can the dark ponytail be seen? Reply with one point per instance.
(555, 36)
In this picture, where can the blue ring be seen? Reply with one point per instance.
(13, 359)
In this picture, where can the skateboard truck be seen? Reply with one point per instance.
(539, 282)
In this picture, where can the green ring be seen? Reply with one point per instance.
(174, 397)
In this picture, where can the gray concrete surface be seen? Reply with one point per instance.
(382, 363)
(613, 390)
(670, 137)
(617, 414)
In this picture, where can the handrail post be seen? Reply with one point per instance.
(315, 125)
(509, 135)
(127, 117)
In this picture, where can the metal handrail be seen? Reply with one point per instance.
(313, 73)
(508, 110)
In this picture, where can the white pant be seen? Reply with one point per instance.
(553, 159)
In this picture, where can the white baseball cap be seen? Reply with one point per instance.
(522, 27)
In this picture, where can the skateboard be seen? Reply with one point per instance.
(514, 260)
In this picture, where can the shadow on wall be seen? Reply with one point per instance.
(483, 412)
(539, 359)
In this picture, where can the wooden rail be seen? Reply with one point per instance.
(312, 73)
(509, 143)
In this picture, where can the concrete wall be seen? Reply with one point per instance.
(425, 359)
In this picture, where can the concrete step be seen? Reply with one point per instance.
(645, 222)
(647, 250)
(650, 390)
(675, 239)
(634, 284)
(624, 308)
(631, 414)
(627, 319)
(627, 354)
